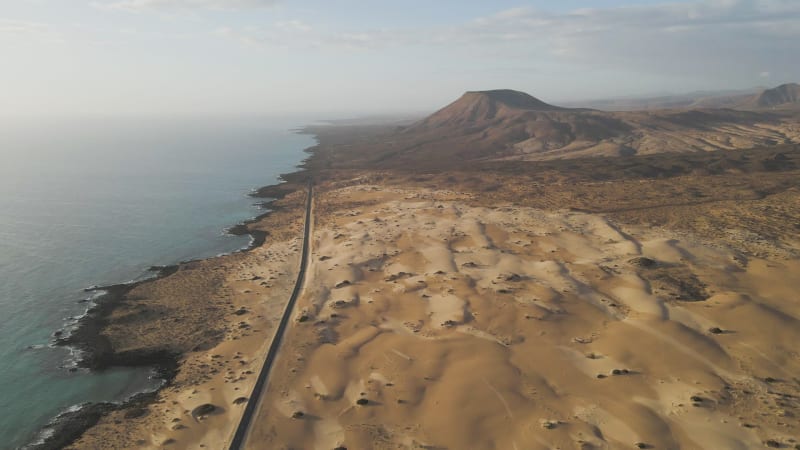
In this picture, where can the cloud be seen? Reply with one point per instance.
(177, 5)
(294, 25)
(24, 31)
(715, 38)
(626, 25)
(285, 34)
(718, 38)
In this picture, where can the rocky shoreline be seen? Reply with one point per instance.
(68, 426)
(96, 355)
(97, 352)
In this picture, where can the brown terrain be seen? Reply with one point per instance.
(505, 124)
(503, 274)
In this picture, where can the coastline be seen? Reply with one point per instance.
(97, 353)
(571, 245)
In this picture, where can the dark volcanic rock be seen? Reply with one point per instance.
(259, 236)
(69, 426)
(135, 413)
(676, 280)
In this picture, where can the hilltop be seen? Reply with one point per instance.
(481, 106)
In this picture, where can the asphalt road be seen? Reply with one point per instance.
(250, 409)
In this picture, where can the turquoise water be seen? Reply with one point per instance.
(85, 202)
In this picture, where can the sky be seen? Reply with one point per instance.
(186, 57)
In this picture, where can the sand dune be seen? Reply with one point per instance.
(456, 326)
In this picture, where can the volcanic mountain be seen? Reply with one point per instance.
(512, 125)
(481, 106)
(497, 123)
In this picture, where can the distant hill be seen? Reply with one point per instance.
(730, 101)
(698, 99)
(781, 96)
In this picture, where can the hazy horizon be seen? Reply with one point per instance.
(273, 57)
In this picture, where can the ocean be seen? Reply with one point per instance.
(95, 202)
